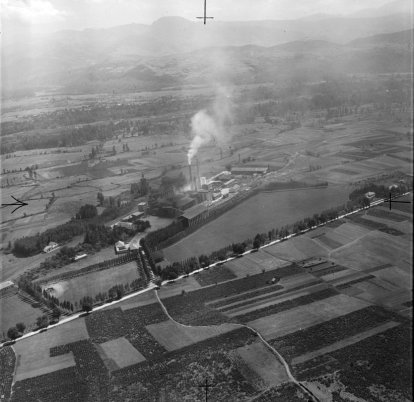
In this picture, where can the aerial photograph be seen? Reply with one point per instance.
(206, 200)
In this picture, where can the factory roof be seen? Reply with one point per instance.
(194, 211)
(249, 169)
(5, 285)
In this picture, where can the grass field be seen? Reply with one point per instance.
(33, 356)
(214, 275)
(263, 363)
(121, 352)
(14, 310)
(258, 214)
(92, 284)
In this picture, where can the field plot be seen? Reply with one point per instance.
(120, 352)
(344, 342)
(396, 277)
(33, 356)
(174, 336)
(142, 299)
(375, 368)
(286, 251)
(263, 363)
(14, 310)
(374, 249)
(308, 246)
(270, 303)
(186, 369)
(348, 232)
(172, 289)
(255, 263)
(214, 275)
(271, 210)
(382, 212)
(280, 324)
(408, 208)
(92, 284)
(328, 241)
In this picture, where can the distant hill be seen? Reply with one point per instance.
(173, 51)
(402, 38)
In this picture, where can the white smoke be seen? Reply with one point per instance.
(209, 126)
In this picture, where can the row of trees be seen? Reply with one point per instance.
(184, 267)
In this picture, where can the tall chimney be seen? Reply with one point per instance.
(191, 176)
(198, 185)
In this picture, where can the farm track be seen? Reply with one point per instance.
(266, 344)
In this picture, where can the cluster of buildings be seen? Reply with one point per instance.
(206, 192)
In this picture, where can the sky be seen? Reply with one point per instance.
(45, 16)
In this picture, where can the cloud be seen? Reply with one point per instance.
(31, 11)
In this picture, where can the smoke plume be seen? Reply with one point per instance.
(211, 125)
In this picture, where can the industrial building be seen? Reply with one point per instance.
(248, 170)
(50, 247)
(194, 215)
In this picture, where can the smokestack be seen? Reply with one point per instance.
(191, 176)
(198, 176)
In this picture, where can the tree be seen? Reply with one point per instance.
(101, 198)
(86, 304)
(256, 243)
(12, 333)
(239, 248)
(20, 327)
(56, 313)
(43, 321)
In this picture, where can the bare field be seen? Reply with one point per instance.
(121, 352)
(372, 250)
(174, 336)
(263, 363)
(271, 210)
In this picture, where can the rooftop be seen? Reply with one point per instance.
(194, 211)
(249, 169)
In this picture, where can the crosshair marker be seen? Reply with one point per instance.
(205, 13)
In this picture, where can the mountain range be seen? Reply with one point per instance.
(174, 51)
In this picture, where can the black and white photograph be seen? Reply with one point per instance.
(206, 200)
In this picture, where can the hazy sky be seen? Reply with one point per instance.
(52, 15)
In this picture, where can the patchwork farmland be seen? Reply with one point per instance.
(330, 315)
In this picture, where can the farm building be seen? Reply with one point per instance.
(137, 215)
(7, 288)
(121, 247)
(194, 215)
(50, 247)
(125, 225)
(142, 206)
(242, 170)
(79, 257)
